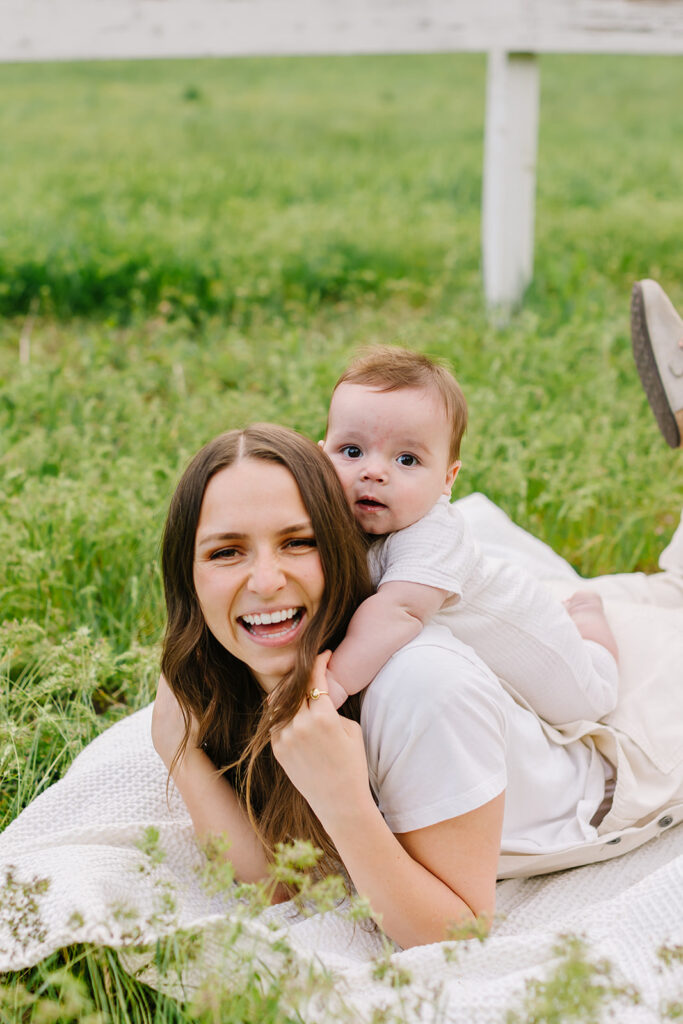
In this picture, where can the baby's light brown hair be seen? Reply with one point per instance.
(390, 369)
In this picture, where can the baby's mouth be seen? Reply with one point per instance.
(370, 504)
(272, 624)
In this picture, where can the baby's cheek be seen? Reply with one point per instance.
(346, 480)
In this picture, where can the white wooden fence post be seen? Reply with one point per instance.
(509, 187)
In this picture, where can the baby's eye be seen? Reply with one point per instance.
(351, 451)
(408, 460)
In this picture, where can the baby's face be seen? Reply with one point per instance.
(391, 452)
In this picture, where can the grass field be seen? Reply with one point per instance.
(189, 246)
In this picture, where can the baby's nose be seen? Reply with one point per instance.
(374, 470)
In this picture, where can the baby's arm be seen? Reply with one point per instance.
(380, 626)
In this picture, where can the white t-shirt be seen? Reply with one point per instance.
(443, 737)
(511, 619)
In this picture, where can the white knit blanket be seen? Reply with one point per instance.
(82, 835)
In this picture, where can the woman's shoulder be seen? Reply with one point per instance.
(435, 644)
(437, 666)
(435, 727)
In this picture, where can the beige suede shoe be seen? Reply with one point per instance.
(657, 336)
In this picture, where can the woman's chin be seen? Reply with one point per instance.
(268, 672)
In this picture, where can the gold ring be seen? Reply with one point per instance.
(315, 693)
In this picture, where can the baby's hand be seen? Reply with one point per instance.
(336, 691)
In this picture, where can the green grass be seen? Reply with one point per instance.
(189, 246)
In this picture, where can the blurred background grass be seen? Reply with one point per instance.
(188, 246)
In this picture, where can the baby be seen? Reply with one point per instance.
(394, 428)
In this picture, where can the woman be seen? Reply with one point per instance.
(262, 570)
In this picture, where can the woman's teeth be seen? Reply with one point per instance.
(266, 618)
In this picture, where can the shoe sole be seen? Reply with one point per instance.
(649, 374)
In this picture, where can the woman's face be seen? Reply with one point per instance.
(257, 571)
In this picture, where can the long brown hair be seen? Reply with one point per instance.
(214, 686)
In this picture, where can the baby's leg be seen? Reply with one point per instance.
(529, 639)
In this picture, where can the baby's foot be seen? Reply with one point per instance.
(588, 613)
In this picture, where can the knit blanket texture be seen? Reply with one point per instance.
(73, 872)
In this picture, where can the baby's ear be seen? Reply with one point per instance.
(321, 443)
(451, 474)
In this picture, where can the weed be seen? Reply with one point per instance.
(20, 908)
(578, 989)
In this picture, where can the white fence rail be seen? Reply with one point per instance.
(511, 31)
(86, 29)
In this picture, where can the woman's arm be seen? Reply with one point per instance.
(419, 884)
(425, 884)
(208, 796)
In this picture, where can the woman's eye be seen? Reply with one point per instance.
(408, 460)
(224, 553)
(301, 543)
(351, 451)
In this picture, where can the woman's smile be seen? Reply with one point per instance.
(273, 628)
(257, 571)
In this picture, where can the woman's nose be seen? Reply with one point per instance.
(266, 576)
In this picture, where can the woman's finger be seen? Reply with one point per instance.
(320, 669)
(318, 688)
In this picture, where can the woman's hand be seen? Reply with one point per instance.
(419, 884)
(324, 756)
(168, 724)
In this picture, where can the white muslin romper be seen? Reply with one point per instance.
(517, 626)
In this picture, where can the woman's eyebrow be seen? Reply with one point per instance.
(211, 538)
(296, 528)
